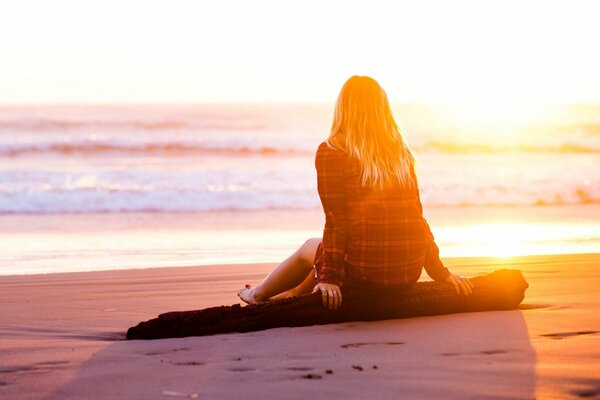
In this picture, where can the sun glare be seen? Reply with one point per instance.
(507, 115)
(466, 50)
(509, 239)
(499, 240)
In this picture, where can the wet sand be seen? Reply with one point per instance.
(58, 243)
(61, 337)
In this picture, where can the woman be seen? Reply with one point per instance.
(375, 233)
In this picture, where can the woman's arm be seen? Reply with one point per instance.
(330, 165)
(433, 265)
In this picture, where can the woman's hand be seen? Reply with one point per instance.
(460, 284)
(331, 295)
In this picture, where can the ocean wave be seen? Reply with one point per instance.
(89, 196)
(72, 160)
(116, 207)
(91, 147)
(134, 125)
(465, 148)
(53, 125)
(94, 147)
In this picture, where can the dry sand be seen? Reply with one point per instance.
(61, 338)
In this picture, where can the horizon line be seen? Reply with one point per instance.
(261, 103)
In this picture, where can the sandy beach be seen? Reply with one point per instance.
(61, 337)
(157, 157)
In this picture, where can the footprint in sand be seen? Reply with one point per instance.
(187, 363)
(355, 345)
(562, 335)
(50, 363)
(591, 391)
(312, 376)
(525, 306)
(33, 367)
(491, 352)
(241, 369)
(486, 352)
(10, 370)
(159, 353)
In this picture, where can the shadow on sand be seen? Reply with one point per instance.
(471, 355)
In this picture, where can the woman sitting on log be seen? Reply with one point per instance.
(375, 234)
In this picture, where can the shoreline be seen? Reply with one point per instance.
(32, 244)
(448, 261)
(61, 338)
(302, 216)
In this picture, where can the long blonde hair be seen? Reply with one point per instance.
(364, 127)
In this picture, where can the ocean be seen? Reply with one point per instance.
(66, 162)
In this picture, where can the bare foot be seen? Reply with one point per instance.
(247, 295)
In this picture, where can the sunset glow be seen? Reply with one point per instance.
(508, 239)
(302, 199)
(505, 116)
(461, 52)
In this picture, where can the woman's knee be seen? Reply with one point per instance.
(309, 249)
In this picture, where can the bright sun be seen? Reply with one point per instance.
(499, 239)
(501, 114)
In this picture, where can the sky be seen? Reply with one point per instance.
(459, 52)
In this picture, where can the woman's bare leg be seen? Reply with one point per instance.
(287, 275)
(305, 287)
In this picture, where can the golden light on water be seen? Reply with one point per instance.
(506, 115)
(488, 125)
(514, 239)
(503, 240)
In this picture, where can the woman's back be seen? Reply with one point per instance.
(382, 231)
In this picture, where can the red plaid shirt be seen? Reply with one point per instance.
(379, 235)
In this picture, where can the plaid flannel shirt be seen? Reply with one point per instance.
(380, 234)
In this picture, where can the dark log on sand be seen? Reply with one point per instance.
(500, 290)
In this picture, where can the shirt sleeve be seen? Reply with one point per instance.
(330, 165)
(433, 265)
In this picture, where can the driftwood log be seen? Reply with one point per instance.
(500, 290)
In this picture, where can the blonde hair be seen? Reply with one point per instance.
(364, 127)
